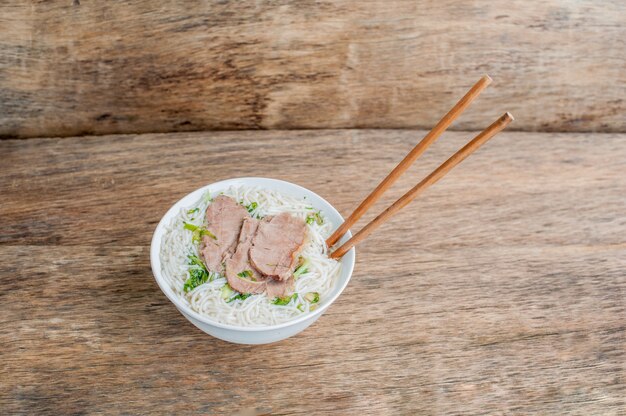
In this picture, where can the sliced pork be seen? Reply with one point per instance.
(224, 220)
(275, 247)
(279, 288)
(241, 276)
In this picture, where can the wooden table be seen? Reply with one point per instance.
(72, 67)
(502, 290)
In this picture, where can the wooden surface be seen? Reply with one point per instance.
(81, 67)
(500, 291)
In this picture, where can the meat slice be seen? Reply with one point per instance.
(275, 247)
(279, 288)
(239, 263)
(224, 219)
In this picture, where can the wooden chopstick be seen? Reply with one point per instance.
(408, 160)
(437, 174)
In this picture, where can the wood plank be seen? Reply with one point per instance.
(507, 297)
(73, 68)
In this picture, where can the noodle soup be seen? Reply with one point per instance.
(209, 294)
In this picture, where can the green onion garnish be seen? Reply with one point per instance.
(226, 291)
(198, 274)
(240, 296)
(312, 297)
(315, 217)
(301, 269)
(284, 300)
(198, 232)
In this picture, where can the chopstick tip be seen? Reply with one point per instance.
(508, 116)
(486, 78)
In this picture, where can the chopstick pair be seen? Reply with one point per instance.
(403, 166)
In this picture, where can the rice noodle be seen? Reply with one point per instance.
(256, 310)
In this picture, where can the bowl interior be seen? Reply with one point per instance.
(287, 188)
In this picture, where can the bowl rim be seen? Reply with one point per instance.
(155, 262)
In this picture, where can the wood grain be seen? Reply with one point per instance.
(410, 158)
(432, 178)
(73, 68)
(499, 296)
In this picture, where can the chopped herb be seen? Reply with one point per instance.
(198, 274)
(201, 233)
(251, 207)
(301, 307)
(193, 211)
(198, 232)
(229, 295)
(227, 291)
(312, 297)
(195, 261)
(240, 296)
(302, 268)
(204, 232)
(315, 217)
(312, 308)
(284, 300)
(196, 278)
(246, 275)
(207, 197)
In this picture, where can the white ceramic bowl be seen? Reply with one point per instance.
(240, 334)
